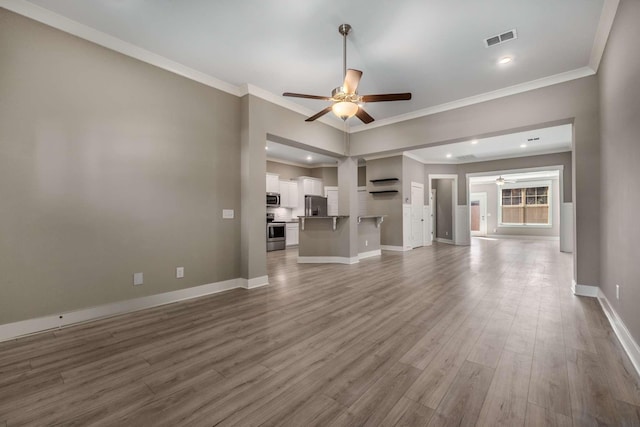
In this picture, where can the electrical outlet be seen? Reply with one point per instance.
(179, 272)
(138, 279)
(366, 243)
(617, 291)
(446, 233)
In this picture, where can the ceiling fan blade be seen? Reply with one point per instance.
(351, 80)
(364, 116)
(302, 95)
(387, 97)
(318, 115)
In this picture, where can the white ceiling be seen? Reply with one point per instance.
(550, 140)
(433, 49)
(280, 152)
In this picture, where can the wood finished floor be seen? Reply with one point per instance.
(482, 335)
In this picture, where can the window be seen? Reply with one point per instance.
(525, 204)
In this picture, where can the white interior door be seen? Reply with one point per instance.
(478, 214)
(432, 206)
(417, 221)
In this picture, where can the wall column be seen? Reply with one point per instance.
(348, 199)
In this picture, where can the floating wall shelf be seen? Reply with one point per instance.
(383, 191)
(383, 180)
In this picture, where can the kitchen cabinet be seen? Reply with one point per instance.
(331, 193)
(273, 183)
(293, 234)
(288, 194)
(284, 194)
(311, 186)
(293, 195)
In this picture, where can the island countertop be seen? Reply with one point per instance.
(334, 219)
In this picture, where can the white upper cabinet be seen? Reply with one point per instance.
(288, 194)
(273, 183)
(284, 194)
(293, 194)
(311, 186)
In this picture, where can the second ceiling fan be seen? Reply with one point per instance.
(346, 101)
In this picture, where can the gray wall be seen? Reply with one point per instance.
(386, 204)
(262, 120)
(108, 166)
(412, 171)
(319, 239)
(362, 176)
(620, 109)
(368, 235)
(556, 159)
(492, 213)
(328, 175)
(287, 172)
(444, 208)
(576, 102)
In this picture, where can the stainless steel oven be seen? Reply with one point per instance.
(276, 234)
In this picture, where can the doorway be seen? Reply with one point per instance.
(443, 207)
(478, 214)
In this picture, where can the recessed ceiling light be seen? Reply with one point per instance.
(266, 148)
(475, 141)
(448, 155)
(505, 60)
(309, 158)
(523, 145)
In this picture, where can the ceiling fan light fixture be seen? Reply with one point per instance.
(500, 181)
(344, 109)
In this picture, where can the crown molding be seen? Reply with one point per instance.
(75, 28)
(301, 165)
(608, 14)
(413, 157)
(261, 93)
(67, 25)
(484, 97)
(488, 159)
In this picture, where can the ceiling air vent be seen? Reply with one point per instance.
(466, 158)
(501, 38)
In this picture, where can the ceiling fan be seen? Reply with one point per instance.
(500, 181)
(345, 99)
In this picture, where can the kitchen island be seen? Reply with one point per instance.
(326, 239)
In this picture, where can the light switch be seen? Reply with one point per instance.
(227, 213)
(138, 279)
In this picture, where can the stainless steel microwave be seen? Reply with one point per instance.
(273, 200)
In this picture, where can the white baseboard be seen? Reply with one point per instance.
(369, 254)
(523, 237)
(584, 290)
(30, 326)
(256, 282)
(393, 248)
(327, 260)
(621, 331)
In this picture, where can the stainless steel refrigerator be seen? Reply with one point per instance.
(315, 206)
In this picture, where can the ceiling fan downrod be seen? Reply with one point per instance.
(344, 29)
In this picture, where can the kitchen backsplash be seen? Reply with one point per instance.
(281, 214)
